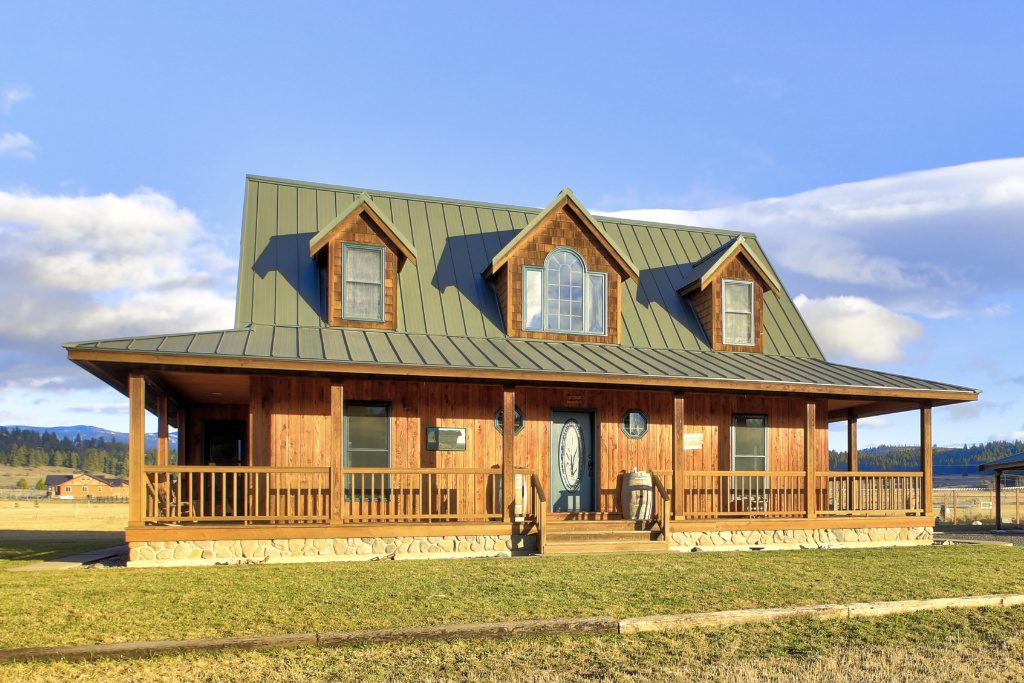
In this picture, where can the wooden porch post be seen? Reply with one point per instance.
(136, 449)
(678, 461)
(337, 457)
(162, 437)
(810, 433)
(999, 499)
(508, 471)
(853, 458)
(182, 449)
(926, 459)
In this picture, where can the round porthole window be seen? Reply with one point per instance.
(634, 424)
(499, 420)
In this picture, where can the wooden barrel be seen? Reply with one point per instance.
(637, 495)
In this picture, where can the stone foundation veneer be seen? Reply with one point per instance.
(181, 553)
(779, 539)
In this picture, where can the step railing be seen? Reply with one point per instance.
(662, 511)
(540, 510)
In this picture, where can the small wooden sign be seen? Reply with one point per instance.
(446, 438)
(693, 442)
(574, 400)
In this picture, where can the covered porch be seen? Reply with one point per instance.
(500, 486)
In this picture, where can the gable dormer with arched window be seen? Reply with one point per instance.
(561, 277)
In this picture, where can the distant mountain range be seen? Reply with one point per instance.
(89, 432)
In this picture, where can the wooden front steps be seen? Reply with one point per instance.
(616, 536)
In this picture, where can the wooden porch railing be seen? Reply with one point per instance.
(292, 495)
(747, 495)
(870, 493)
(421, 494)
(742, 494)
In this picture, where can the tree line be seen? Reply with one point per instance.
(908, 458)
(27, 448)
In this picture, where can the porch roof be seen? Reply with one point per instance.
(320, 349)
(1010, 462)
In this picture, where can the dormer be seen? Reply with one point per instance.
(360, 253)
(726, 289)
(561, 277)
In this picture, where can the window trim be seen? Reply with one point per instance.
(345, 247)
(498, 414)
(732, 441)
(544, 298)
(753, 331)
(622, 424)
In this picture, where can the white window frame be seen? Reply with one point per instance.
(345, 247)
(544, 298)
(753, 336)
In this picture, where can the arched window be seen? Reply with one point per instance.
(563, 272)
(564, 297)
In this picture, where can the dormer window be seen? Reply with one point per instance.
(362, 284)
(738, 312)
(564, 297)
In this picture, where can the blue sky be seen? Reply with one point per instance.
(875, 148)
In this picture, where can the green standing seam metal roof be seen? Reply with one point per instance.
(355, 346)
(706, 268)
(445, 291)
(448, 313)
(364, 200)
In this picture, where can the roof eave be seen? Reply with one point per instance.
(84, 357)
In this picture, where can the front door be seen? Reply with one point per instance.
(572, 462)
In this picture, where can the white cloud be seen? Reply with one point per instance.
(996, 310)
(920, 241)
(11, 95)
(858, 328)
(101, 266)
(16, 145)
(118, 408)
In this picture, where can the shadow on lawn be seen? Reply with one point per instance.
(22, 545)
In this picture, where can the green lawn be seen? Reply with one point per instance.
(954, 645)
(109, 605)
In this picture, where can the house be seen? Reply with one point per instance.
(423, 376)
(84, 485)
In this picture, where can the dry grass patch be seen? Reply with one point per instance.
(956, 645)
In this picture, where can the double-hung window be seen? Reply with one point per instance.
(738, 312)
(565, 297)
(367, 445)
(750, 454)
(362, 287)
